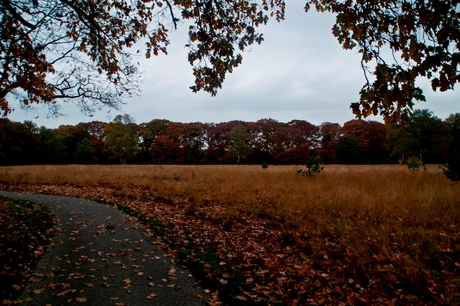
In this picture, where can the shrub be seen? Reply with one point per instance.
(413, 163)
(313, 167)
(264, 165)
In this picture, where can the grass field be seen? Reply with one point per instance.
(351, 234)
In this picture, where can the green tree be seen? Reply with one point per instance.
(122, 138)
(350, 151)
(313, 167)
(73, 135)
(423, 137)
(84, 153)
(78, 50)
(20, 143)
(238, 138)
(148, 133)
(452, 167)
(194, 143)
(53, 148)
(453, 139)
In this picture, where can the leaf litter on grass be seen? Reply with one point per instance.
(344, 256)
(26, 230)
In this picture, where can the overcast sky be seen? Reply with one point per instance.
(299, 72)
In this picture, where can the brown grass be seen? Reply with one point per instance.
(386, 190)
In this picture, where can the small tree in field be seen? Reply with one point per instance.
(313, 167)
(413, 163)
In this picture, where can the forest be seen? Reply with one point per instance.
(160, 141)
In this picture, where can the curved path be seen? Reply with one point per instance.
(104, 257)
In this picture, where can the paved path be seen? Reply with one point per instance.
(102, 257)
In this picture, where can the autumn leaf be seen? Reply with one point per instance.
(127, 281)
(39, 291)
(80, 299)
(151, 296)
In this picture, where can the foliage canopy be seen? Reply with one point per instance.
(76, 51)
(350, 151)
(424, 35)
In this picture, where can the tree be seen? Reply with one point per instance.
(52, 146)
(194, 143)
(20, 143)
(261, 139)
(329, 135)
(217, 140)
(148, 133)
(73, 136)
(425, 35)
(78, 51)
(293, 142)
(122, 138)
(238, 138)
(453, 140)
(422, 137)
(452, 168)
(84, 154)
(350, 151)
(96, 130)
(371, 135)
(169, 146)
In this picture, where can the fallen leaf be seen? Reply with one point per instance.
(80, 300)
(39, 291)
(151, 296)
(127, 281)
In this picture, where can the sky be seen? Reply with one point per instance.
(299, 72)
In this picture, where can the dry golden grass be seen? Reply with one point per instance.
(386, 189)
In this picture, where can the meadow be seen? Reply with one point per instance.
(375, 234)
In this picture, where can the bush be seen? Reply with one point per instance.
(264, 165)
(313, 167)
(413, 163)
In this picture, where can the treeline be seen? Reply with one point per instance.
(160, 141)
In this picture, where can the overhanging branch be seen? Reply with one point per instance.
(9, 7)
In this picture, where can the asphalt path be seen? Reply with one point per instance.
(102, 256)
